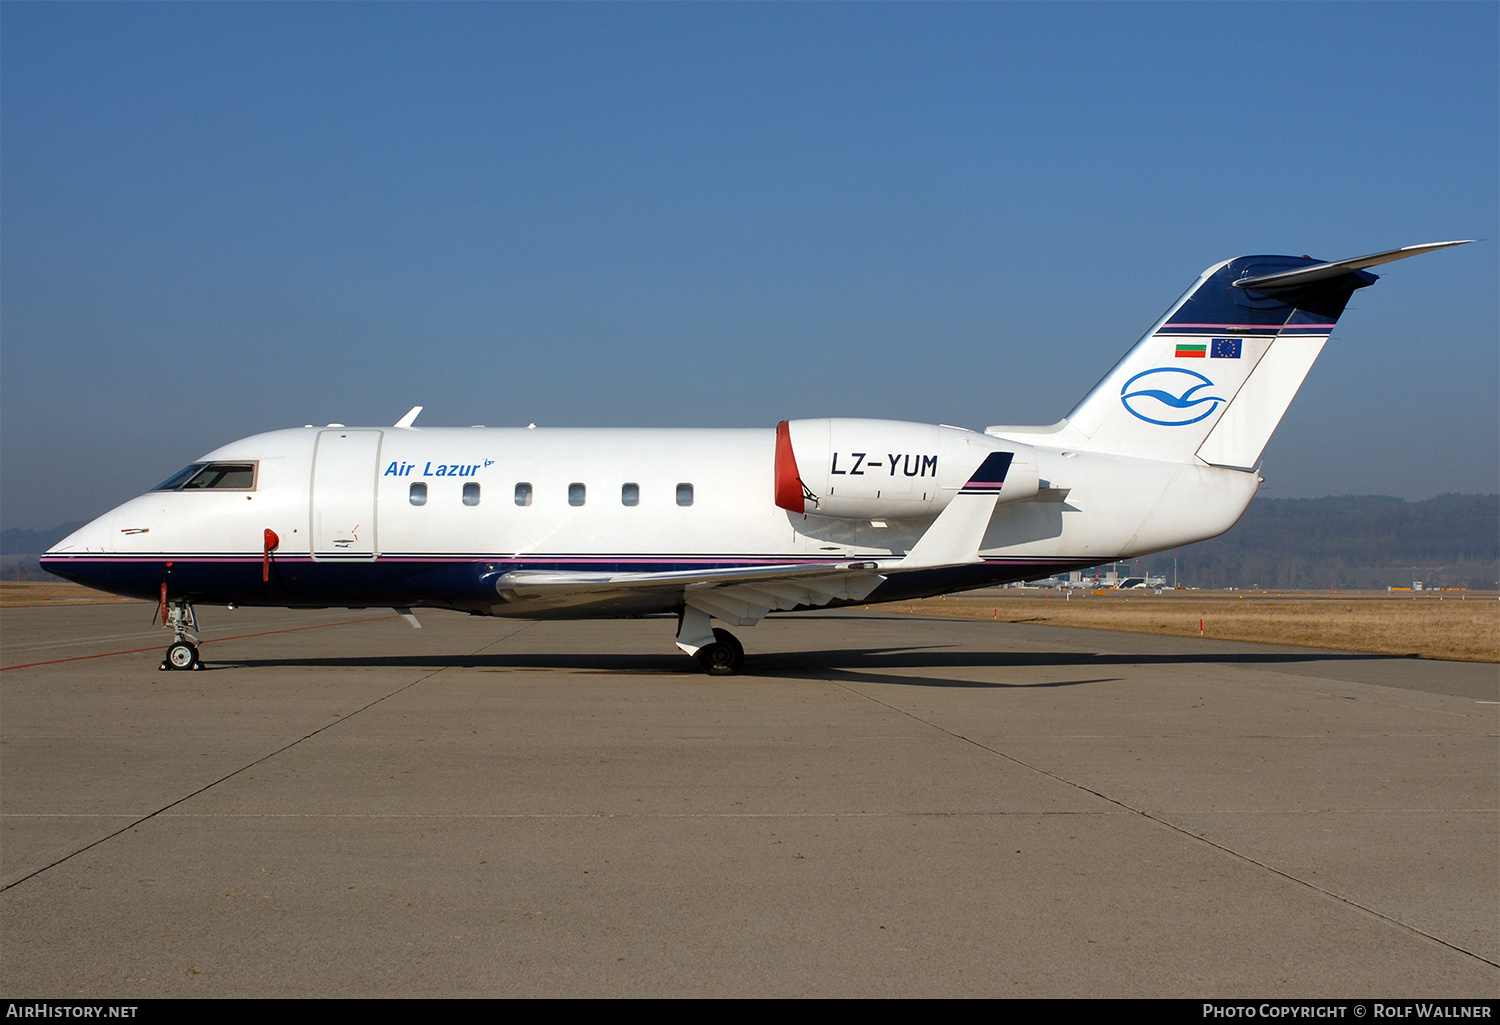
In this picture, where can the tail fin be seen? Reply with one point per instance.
(1217, 372)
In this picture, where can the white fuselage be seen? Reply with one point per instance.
(735, 524)
(642, 500)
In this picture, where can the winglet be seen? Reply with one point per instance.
(410, 417)
(955, 536)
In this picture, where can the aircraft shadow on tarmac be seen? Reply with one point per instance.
(872, 665)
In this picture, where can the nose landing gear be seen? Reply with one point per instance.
(182, 653)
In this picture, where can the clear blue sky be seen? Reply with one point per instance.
(218, 219)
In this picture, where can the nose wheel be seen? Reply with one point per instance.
(182, 653)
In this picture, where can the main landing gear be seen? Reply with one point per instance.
(718, 652)
(182, 653)
(723, 657)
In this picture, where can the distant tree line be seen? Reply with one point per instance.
(1348, 542)
(19, 549)
(15, 541)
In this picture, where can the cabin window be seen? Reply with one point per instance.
(630, 494)
(684, 494)
(417, 493)
(211, 477)
(523, 494)
(471, 493)
(576, 493)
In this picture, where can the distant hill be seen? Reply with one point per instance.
(1351, 541)
(19, 549)
(15, 541)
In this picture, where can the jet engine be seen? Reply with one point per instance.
(887, 469)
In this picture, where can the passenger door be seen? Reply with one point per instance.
(345, 465)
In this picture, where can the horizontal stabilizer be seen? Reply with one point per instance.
(1270, 284)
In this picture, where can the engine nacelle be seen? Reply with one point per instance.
(887, 469)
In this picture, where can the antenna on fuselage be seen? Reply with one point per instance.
(411, 415)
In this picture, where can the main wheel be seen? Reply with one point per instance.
(182, 655)
(724, 657)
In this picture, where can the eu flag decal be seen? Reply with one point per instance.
(1226, 348)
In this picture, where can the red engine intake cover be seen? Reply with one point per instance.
(788, 480)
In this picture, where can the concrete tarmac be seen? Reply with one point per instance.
(881, 806)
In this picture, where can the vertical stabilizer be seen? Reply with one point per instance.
(1215, 375)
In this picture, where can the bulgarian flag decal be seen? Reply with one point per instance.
(1191, 350)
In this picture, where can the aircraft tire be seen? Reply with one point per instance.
(724, 657)
(182, 655)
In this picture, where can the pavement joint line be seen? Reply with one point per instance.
(977, 813)
(488, 816)
(1390, 699)
(1238, 855)
(140, 820)
(155, 631)
(214, 640)
(135, 635)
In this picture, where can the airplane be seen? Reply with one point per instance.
(734, 524)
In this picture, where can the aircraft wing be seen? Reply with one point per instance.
(740, 595)
(530, 583)
(744, 595)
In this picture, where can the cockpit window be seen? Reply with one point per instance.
(211, 477)
(174, 482)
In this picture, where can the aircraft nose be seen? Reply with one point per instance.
(86, 556)
(92, 537)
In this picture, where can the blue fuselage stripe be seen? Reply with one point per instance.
(465, 582)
